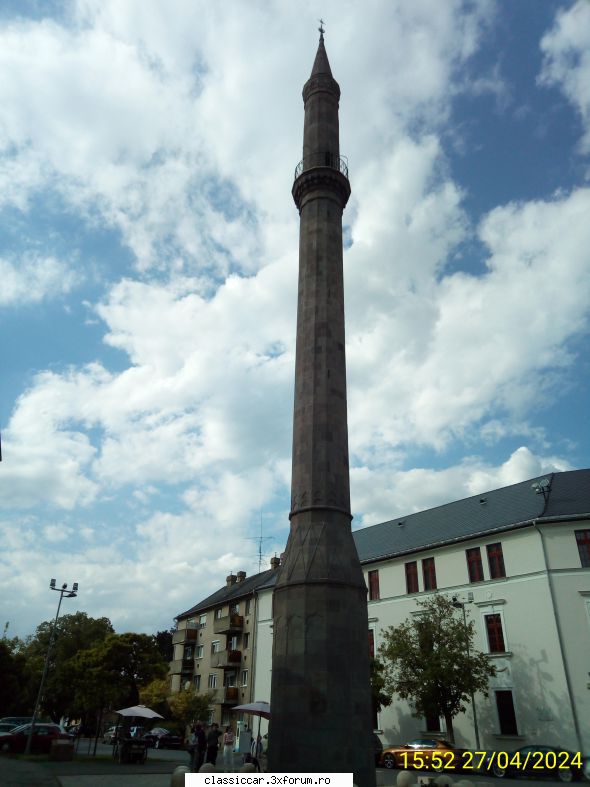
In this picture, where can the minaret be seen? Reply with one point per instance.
(320, 700)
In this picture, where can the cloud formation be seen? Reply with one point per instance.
(150, 466)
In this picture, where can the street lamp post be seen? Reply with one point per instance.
(63, 591)
(461, 605)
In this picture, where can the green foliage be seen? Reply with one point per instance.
(430, 661)
(155, 696)
(112, 672)
(164, 643)
(73, 634)
(379, 695)
(14, 700)
(188, 706)
(90, 668)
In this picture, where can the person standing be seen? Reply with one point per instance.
(201, 743)
(198, 747)
(213, 743)
(228, 749)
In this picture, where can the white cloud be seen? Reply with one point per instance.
(439, 357)
(34, 278)
(566, 63)
(181, 131)
(407, 491)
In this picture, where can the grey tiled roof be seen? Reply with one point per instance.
(568, 495)
(232, 593)
(481, 515)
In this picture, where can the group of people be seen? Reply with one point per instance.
(205, 747)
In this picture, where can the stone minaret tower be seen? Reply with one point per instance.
(320, 701)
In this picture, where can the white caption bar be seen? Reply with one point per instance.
(268, 779)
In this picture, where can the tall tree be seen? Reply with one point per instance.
(164, 642)
(430, 661)
(112, 673)
(15, 699)
(72, 634)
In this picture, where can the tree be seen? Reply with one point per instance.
(73, 634)
(14, 697)
(188, 706)
(380, 698)
(129, 661)
(165, 646)
(430, 661)
(155, 695)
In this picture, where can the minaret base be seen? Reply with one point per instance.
(321, 716)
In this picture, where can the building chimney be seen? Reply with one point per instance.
(275, 562)
(241, 576)
(231, 580)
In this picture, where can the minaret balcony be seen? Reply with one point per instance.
(325, 159)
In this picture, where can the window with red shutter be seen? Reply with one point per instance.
(583, 542)
(495, 633)
(429, 573)
(474, 564)
(412, 577)
(374, 585)
(496, 560)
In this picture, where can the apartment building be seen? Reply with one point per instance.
(517, 562)
(214, 644)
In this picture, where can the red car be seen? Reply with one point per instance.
(43, 737)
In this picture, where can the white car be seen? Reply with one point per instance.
(109, 735)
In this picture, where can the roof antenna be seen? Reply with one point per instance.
(260, 539)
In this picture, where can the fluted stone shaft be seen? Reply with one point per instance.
(320, 701)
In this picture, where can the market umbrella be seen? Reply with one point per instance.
(259, 708)
(139, 711)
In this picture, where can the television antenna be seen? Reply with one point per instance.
(259, 539)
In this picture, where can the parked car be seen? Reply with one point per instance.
(161, 738)
(16, 721)
(7, 726)
(43, 736)
(435, 754)
(536, 760)
(109, 735)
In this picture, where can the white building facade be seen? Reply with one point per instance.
(518, 560)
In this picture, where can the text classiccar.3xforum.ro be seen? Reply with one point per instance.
(268, 779)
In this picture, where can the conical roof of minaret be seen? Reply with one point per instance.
(321, 64)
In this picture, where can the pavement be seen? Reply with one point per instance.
(15, 772)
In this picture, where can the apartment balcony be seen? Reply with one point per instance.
(229, 624)
(226, 659)
(175, 667)
(229, 695)
(188, 634)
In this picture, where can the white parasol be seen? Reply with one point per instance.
(139, 711)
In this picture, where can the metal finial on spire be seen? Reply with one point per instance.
(321, 29)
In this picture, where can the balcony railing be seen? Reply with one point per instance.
(185, 635)
(226, 659)
(228, 623)
(326, 159)
(229, 695)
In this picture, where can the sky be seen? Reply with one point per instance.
(148, 276)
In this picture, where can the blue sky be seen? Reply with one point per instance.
(148, 267)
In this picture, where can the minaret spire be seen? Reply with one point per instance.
(320, 699)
